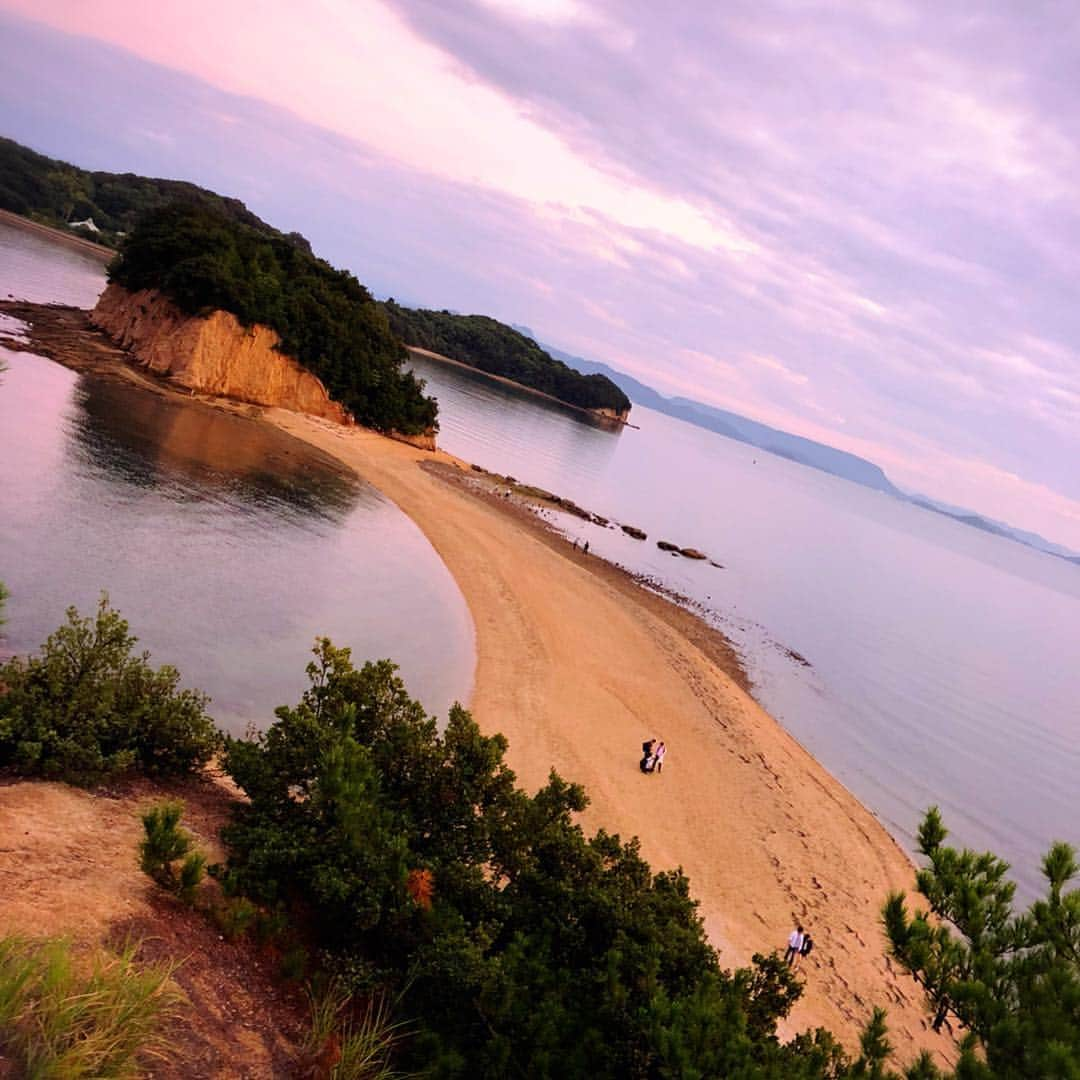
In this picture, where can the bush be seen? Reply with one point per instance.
(57, 1023)
(164, 845)
(86, 709)
(519, 945)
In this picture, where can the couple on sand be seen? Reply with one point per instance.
(652, 759)
(800, 943)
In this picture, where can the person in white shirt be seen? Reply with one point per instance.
(794, 945)
(661, 750)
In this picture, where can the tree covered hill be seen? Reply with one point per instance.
(204, 259)
(498, 349)
(56, 193)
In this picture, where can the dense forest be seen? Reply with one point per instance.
(204, 259)
(57, 193)
(498, 349)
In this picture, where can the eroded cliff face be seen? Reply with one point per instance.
(213, 355)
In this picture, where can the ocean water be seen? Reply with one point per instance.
(943, 661)
(227, 545)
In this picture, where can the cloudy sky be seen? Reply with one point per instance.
(858, 221)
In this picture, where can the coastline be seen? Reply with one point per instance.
(577, 664)
(602, 419)
(577, 668)
(50, 232)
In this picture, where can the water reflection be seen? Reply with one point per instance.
(229, 546)
(559, 439)
(204, 453)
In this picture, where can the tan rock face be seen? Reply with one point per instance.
(214, 355)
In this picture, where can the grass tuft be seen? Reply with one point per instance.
(65, 1021)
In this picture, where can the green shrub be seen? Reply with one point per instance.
(192, 872)
(59, 1024)
(86, 708)
(234, 916)
(532, 949)
(164, 845)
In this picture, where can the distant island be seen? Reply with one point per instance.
(807, 452)
(104, 206)
(497, 349)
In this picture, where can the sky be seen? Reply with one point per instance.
(858, 221)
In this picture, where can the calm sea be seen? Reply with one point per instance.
(227, 545)
(944, 661)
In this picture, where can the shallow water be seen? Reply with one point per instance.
(229, 546)
(943, 659)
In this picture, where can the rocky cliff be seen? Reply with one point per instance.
(212, 354)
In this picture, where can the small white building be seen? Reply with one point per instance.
(88, 225)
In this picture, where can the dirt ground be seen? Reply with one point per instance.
(69, 868)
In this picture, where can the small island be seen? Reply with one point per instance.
(230, 309)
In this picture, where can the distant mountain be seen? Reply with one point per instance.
(997, 528)
(805, 451)
(771, 440)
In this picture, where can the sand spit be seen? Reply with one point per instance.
(577, 665)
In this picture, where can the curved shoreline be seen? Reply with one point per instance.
(577, 664)
(602, 419)
(577, 669)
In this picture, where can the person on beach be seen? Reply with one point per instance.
(575, 543)
(661, 750)
(794, 945)
(807, 946)
(585, 549)
(647, 758)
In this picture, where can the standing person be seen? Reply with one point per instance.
(585, 549)
(647, 755)
(661, 750)
(794, 945)
(807, 945)
(575, 543)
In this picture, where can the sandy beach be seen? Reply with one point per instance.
(577, 667)
(577, 664)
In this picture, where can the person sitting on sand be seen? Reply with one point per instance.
(647, 759)
(794, 945)
(661, 750)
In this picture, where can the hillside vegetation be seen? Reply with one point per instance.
(203, 259)
(498, 349)
(57, 193)
(402, 865)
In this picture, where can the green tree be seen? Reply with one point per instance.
(205, 259)
(1010, 981)
(516, 944)
(86, 707)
